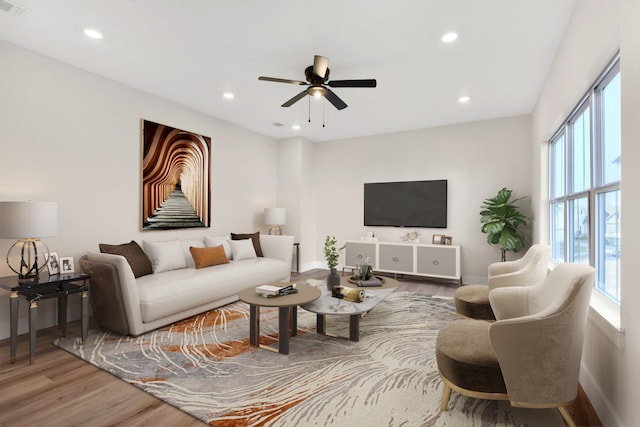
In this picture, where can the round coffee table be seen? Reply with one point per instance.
(327, 305)
(287, 312)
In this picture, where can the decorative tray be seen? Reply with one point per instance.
(355, 281)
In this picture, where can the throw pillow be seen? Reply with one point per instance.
(133, 253)
(185, 245)
(242, 249)
(206, 257)
(211, 241)
(255, 238)
(165, 255)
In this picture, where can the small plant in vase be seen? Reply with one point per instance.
(332, 256)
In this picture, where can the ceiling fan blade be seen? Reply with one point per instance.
(353, 83)
(295, 99)
(334, 99)
(277, 80)
(320, 65)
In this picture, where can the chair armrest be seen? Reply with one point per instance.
(504, 267)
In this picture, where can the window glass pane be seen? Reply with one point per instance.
(611, 131)
(557, 168)
(608, 230)
(557, 231)
(581, 151)
(579, 230)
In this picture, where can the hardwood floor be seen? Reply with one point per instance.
(61, 390)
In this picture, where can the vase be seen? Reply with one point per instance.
(333, 279)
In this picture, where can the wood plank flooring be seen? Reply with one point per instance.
(61, 390)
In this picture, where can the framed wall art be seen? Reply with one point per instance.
(176, 175)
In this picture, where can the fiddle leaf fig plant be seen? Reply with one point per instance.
(331, 251)
(501, 220)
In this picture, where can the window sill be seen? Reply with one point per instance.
(606, 317)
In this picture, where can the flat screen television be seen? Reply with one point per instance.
(406, 204)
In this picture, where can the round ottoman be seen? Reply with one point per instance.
(472, 301)
(467, 362)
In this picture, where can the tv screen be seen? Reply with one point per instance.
(406, 204)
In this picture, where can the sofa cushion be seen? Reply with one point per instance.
(255, 239)
(133, 253)
(186, 246)
(207, 257)
(242, 249)
(172, 292)
(165, 255)
(211, 241)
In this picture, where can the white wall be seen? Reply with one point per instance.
(75, 138)
(477, 159)
(597, 30)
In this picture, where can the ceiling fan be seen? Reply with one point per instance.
(317, 76)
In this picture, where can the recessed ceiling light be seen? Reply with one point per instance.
(295, 127)
(228, 95)
(94, 34)
(449, 37)
(464, 99)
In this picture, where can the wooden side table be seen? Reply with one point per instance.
(48, 286)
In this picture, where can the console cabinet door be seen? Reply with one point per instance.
(356, 253)
(395, 258)
(437, 261)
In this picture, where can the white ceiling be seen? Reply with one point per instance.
(192, 51)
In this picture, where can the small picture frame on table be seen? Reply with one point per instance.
(448, 240)
(53, 264)
(438, 239)
(66, 264)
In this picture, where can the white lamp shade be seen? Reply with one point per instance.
(28, 220)
(275, 216)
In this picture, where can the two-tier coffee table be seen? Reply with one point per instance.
(327, 305)
(287, 313)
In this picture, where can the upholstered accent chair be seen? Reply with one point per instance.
(531, 354)
(472, 301)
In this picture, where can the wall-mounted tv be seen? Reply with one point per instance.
(406, 204)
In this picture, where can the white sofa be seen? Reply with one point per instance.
(133, 306)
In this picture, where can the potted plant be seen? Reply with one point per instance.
(501, 219)
(332, 255)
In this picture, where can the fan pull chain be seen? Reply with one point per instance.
(309, 109)
(323, 112)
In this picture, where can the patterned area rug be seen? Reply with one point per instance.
(206, 367)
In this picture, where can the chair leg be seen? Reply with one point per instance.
(446, 393)
(566, 416)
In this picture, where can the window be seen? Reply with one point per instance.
(584, 184)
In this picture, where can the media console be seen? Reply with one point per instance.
(419, 259)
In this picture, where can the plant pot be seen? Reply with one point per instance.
(333, 279)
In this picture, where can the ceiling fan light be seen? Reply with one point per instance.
(317, 91)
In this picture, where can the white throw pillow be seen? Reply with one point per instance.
(185, 245)
(213, 241)
(165, 255)
(242, 249)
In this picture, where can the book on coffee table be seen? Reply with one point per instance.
(271, 291)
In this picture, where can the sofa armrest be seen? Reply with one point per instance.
(278, 247)
(114, 292)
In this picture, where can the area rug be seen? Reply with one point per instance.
(206, 367)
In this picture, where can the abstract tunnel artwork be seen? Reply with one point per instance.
(175, 178)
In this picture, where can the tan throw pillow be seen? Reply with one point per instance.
(133, 253)
(206, 257)
(255, 239)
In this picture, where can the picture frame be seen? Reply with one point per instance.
(53, 263)
(448, 240)
(66, 265)
(438, 239)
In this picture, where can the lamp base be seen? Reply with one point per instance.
(29, 269)
(275, 230)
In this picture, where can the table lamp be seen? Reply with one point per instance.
(274, 218)
(28, 222)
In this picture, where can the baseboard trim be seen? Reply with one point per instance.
(598, 399)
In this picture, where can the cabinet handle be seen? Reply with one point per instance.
(395, 259)
(436, 262)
